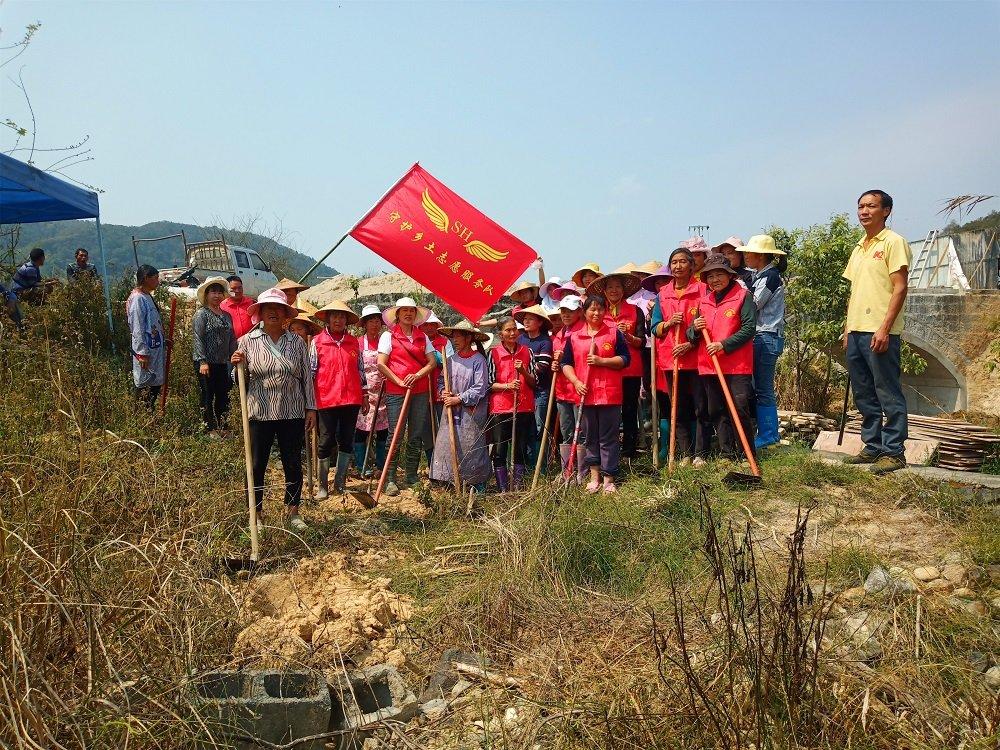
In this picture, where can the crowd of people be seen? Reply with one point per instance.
(701, 330)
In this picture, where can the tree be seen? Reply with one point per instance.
(816, 309)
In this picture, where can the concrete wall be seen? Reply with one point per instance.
(938, 322)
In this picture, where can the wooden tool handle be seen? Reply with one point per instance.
(254, 541)
(754, 468)
(403, 412)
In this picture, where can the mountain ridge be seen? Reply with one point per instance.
(60, 239)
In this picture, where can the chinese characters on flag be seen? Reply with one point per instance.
(441, 241)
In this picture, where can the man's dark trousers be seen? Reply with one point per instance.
(875, 379)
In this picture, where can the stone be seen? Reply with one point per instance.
(445, 677)
(940, 586)
(954, 573)
(853, 595)
(434, 709)
(993, 571)
(978, 661)
(878, 580)
(926, 574)
(460, 687)
(716, 618)
(964, 593)
(953, 558)
(995, 603)
(975, 607)
(901, 586)
(992, 677)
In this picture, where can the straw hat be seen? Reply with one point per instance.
(203, 287)
(273, 296)
(646, 269)
(522, 286)
(629, 281)
(337, 306)
(578, 275)
(759, 243)
(549, 286)
(649, 283)
(696, 245)
(311, 324)
(465, 326)
(717, 262)
(734, 242)
(537, 310)
(368, 310)
(389, 314)
(568, 288)
(288, 285)
(305, 306)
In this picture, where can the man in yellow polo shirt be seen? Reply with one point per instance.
(877, 271)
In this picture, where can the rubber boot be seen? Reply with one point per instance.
(340, 478)
(767, 426)
(380, 452)
(564, 454)
(323, 469)
(664, 440)
(582, 470)
(359, 458)
(412, 465)
(500, 472)
(429, 453)
(518, 483)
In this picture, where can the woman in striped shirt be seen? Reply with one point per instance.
(280, 398)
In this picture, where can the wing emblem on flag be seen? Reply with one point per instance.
(483, 251)
(434, 212)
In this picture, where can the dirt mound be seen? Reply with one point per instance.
(321, 612)
(339, 287)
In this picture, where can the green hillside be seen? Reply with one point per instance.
(61, 238)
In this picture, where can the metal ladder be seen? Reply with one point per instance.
(922, 263)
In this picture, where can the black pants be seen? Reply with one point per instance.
(290, 434)
(741, 388)
(500, 428)
(688, 390)
(630, 415)
(214, 389)
(703, 428)
(147, 396)
(336, 425)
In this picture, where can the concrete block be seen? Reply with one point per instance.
(375, 694)
(273, 706)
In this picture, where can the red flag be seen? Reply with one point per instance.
(445, 243)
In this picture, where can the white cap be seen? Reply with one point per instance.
(550, 306)
(570, 302)
(432, 318)
(370, 310)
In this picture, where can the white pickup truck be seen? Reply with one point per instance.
(216, 258)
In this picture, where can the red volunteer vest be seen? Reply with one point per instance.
(670, 303)
(337, 382)
(564, 389)
(439, 343)
(629, 314)
(502, 402)
(723, 320)
(406, 358)
(604, 387)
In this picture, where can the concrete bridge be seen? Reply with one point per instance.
(949, 328)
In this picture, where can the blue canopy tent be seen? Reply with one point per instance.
(28, 195)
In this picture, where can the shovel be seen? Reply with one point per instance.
(654, 402)
(735, 478)
(365, 497)
(396, 434)
(571, 466)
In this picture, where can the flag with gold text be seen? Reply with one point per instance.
(443, 242)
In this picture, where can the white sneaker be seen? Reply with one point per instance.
(297, 523)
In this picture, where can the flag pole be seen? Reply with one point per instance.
(366, 214)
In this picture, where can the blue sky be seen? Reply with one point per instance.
(592, 131)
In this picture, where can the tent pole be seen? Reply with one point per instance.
(104, 279)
